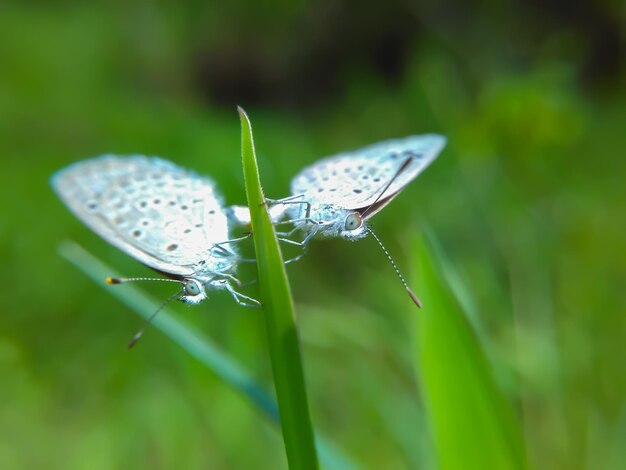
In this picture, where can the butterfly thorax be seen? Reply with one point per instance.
(210, 274)
(331, 220)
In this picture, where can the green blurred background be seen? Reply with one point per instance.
(527, 202)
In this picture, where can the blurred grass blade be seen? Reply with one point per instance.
(472, 425)
(280, 317)
(197, 345)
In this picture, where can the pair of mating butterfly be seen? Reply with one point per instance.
(173, 220)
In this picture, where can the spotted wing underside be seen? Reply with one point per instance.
(163, 215)
(355, 180)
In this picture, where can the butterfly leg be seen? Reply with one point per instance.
(292, 200)
(225, 251)
(285, 200)
(282, 237)
(305, 250)
(304, 244)
(227, 276)
(241, 299)
(306, 220)
(290, 232)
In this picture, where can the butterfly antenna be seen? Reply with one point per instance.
(148, 322)
(122, 280)
(404, 166)
(414, 297)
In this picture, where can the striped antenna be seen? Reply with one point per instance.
(414, 297)
(122, 280)
(147, 323)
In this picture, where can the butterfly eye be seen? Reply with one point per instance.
(192, 287)
(353, 221)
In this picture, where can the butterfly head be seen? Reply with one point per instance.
(193, 291)
(332, 220)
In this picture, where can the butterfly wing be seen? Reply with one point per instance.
(163, 215)
(354, 180)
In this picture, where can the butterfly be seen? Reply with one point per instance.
(167, 217)
(337, 195)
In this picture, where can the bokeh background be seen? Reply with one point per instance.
(527, 202)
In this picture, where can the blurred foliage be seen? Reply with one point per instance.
(527, 202)
(472, 425)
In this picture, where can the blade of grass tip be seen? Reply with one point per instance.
(472, 423)
(282, 333)
(197, 345)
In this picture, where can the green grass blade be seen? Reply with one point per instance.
(472, 424)
(197, 345)
(280, 318)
